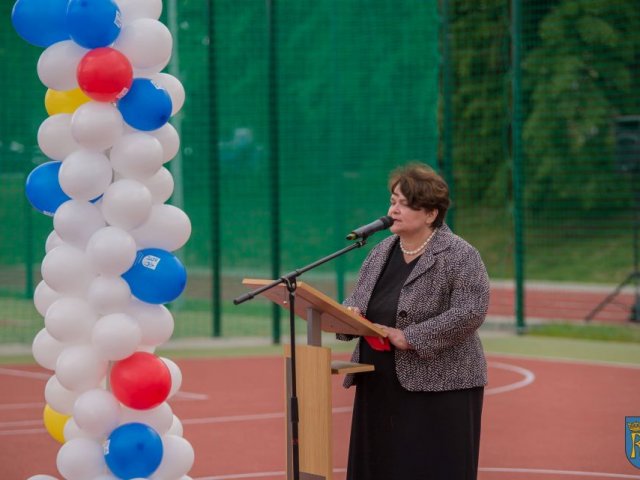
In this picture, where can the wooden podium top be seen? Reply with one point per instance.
(333, 316)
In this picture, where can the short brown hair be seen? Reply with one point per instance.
(423, 188)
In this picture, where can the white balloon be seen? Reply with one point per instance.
(97, 412)
(53, 241)
(54, 137)
(167, 227)
(169, 139)
(96, 125)
(44, 296)
(155, 321)
(116, 336)
(176, 376)
(126, 204)
(131, 10)
(70, 319)
(177, 458)
(137, 155)
(111, 250)
(58, 63)
(79, 368)
(58, 397)
(159, 418)
(81, 459)
(71, 430)
(42, 477)
(160, 185)
(66, 270)
(147, 43)
(174, 87)
(176, 427)
(108, 294)
(85, 175)
(75, 221)
(46, 349)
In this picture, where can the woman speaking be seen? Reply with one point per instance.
(418, 415)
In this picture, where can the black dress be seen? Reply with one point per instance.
(401, 435)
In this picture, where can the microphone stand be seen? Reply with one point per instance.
(289, 280)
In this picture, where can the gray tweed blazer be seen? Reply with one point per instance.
(442, 303)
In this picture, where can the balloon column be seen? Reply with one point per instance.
(109, 265)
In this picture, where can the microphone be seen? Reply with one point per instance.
(363, 232)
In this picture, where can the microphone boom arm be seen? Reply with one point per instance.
(291, 276)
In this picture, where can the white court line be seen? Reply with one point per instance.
(24, 374)
(528, 379)
(21, 406)
(17, 423)
(232, 418)
(31, 431)
(247, 418)
(532, 471)
(190, 396)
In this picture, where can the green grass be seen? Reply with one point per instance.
(629, 333)
(560, 250)
(563, 348)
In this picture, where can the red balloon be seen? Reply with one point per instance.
(141, 381)
(105, 74)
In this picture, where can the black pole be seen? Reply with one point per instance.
(28, 259)
(274, 156)
(447, 110)
(635, 309)
(214, 175)
(293, 400)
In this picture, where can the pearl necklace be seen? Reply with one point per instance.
(420, 248)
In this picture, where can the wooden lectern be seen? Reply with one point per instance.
(313, 372)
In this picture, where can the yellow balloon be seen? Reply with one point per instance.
(54, 422)
(56, 101)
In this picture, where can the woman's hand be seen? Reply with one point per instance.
(355, 310)
(396, 337)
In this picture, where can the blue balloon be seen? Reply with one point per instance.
(93, 23)
(146, 106)
(157, 276)
(133, 450)
(41, 22)
(43, 188)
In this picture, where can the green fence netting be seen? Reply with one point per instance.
(296, 112)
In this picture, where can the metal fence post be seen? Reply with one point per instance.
(274, 154)
(214, 177)
(517, 161)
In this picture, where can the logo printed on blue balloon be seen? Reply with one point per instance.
(146, 106)
(157, 276)
(150, 262)
(93, 23)
(133, 450)
(41, 22)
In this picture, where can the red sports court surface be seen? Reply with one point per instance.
(543, 420)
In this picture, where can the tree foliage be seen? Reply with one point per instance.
(581, 76)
